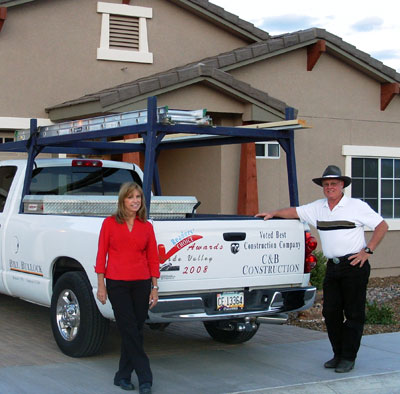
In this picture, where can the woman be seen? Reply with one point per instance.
(127, 259)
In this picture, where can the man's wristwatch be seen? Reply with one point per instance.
(154, 287)
(368, 250)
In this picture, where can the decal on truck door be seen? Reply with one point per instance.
(26, 268)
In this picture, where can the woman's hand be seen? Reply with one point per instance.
(102, 295)
(101, 289)
(153, 299)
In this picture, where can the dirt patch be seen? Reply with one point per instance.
(382, 290)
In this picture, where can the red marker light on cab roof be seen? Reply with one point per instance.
(86, 163)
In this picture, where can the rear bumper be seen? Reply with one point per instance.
(270, 303)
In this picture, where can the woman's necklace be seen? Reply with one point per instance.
(130, 222)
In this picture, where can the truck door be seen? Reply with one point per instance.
(7, 174)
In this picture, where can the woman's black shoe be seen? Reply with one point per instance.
(125, 384)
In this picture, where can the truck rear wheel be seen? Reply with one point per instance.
(78, 327)
(226, 332)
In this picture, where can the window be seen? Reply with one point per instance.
(375, 173)
(80, 180)
(377, 182)
(6, 177)
(124, 33)
(268, 150)
(6, 139)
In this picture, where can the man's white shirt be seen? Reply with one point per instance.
(341, 230)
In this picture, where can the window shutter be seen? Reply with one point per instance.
(124, 32)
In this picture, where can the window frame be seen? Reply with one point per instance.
(266, 143)
(374, 152)
(104, 52)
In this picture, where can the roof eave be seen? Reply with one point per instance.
(219, 16)
(11, 3)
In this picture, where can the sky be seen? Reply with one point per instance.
(371, 26)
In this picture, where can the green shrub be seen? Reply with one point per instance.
(376, 314)
(318, 272)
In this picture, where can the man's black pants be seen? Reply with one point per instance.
(130, 303)
(345, 288)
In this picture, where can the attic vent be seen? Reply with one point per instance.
(124, 32)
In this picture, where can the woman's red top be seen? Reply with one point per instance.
(127, 255)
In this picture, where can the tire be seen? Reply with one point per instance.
(78, 327)
(230, 336)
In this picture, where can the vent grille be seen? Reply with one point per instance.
(124, 32)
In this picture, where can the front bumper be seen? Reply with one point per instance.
(258, 302)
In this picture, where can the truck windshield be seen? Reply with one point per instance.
(80, 180)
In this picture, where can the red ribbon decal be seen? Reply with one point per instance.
(181, 244)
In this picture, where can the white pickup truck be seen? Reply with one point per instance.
(230, 272)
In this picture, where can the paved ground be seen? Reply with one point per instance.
(279, 359)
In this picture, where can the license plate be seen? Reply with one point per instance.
(230, 301)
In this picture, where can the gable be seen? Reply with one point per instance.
(60, 61)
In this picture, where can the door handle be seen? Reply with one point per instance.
(234, 236)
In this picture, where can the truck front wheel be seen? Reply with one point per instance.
(78, 327)
(231, 332)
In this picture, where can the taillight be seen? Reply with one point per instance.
(310, 261)
(86, 163)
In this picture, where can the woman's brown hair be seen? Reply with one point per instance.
(125, 190)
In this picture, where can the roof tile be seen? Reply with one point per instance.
(276, 44)
(187, 73)
(226, 59)
(243, 54)
(212, 62)
(391, 72)
(168, 79)
(222, 76)
(376, 63)
(148, 85)
(260, 49)
(291, 39)
(306, 35)
(109, 98)
(128, 92)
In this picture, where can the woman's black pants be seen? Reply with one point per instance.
(345, 288)
(130, 303)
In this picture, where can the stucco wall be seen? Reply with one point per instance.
(48, 51)
(343, 107)
(210, 174)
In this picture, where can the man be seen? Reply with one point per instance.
(340, 221)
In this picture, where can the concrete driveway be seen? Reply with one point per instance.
(184, 359)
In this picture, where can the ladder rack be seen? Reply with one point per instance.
(132, 118)
(152, 125)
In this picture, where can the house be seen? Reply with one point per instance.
(78, 58)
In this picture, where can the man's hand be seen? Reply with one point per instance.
(285, 213)
(265, 215)
(360, 258)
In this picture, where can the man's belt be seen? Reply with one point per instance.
(342, 259)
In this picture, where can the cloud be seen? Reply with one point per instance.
(386, 54)
(286, 23)
(368, 24)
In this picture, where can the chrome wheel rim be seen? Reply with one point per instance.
(68, 315)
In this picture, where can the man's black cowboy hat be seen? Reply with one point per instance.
(333, 172)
